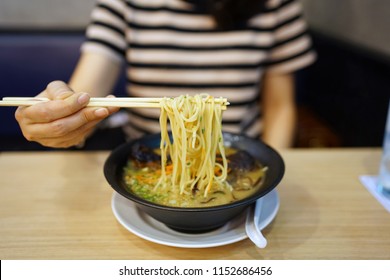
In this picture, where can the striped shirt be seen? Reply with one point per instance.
(170, 50)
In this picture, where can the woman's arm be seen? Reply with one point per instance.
(95, 74)
(279, 110)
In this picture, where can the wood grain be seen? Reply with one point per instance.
(57, 205)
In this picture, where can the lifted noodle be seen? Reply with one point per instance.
(196, 126)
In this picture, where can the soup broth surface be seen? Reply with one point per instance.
(245, 176)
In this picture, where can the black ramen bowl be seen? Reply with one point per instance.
(196, 219)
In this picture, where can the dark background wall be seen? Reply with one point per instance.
(348, 90)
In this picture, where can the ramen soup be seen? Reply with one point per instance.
(143, 171)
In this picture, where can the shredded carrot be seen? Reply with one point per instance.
(217, 171)
(169, 169)
(145, 179)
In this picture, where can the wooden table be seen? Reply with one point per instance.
(57, 205)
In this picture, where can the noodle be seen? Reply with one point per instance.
(196, 127)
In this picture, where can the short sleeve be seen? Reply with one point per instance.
(292, 46)
(106, 33)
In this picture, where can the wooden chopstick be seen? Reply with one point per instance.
(124, 102)
(107, 102)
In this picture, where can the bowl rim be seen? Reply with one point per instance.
(109, 165)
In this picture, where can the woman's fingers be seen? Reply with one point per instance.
(63, 126)
(71, 139)
(58, 90)
(64, 102)
(52, 110)
(68, 131)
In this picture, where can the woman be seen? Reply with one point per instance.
(243, 50)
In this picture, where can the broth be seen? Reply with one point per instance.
(245, 177)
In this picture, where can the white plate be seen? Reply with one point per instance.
(146, 227)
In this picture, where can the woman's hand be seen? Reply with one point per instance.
(64, 121)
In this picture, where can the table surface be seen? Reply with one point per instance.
(57, 205)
